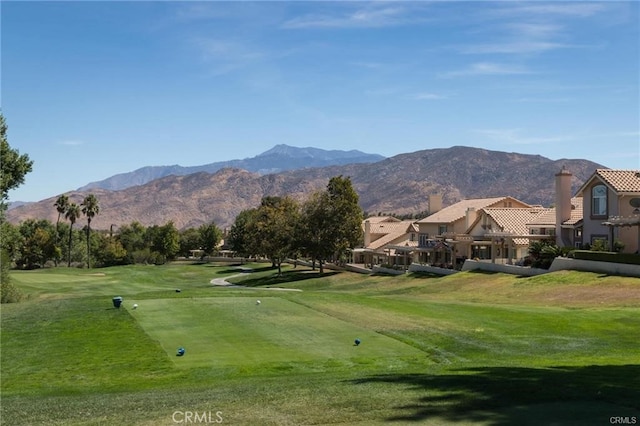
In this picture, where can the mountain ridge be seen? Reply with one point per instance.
(280, 158)
(399, 184)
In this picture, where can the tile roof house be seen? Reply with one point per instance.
(545, 223)
(386, 240)
(606, 208)
(502, 233)
(611, 207)
(451, 225)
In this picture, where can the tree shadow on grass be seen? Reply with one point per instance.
(515, 395)
(423, 275)
(287, 277)
(246, 269)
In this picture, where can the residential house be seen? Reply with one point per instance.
(387, 240)
(611, 207)
(444, 238)
(545, 224)
(501, 233)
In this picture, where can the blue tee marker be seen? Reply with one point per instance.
(180, 352)
(357, 342)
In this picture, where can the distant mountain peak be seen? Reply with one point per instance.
(400, 184)
(317, 153)
(278, 159)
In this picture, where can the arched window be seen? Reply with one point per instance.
(599, 200)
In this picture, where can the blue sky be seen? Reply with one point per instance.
(92, 89)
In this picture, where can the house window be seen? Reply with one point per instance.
(442, 229)
(599, 200)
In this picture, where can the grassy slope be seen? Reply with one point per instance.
(474, 348)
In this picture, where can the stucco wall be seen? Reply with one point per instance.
(563, 263)
(431, 269)
(470, 265)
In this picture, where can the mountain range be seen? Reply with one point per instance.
(278, 159)
(399, 184)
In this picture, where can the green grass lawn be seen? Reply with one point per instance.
(221, 332)
(473, 348)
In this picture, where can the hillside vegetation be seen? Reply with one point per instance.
(401, 184)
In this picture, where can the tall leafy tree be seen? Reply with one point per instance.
(13, 166)
(313, 228)
(331, 221)
(72, 215)
(210, 236)
(273, 229)
(132, 237)
(189, 240)
(90, 208)
(345, 214)
(38, 243)
(61, 205)
(164, 240)
(110, 251)
(238, 238)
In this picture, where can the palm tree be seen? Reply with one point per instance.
(90, 208)
(72, 214)
(61, 205)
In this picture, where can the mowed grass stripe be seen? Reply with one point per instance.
(117, 281)
(81, 344)
(453, 332)
(235, 331)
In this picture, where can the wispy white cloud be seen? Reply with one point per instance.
(515, 47)
(369, 15)
(385, 91)
(71, 142)
(544, 100)
(403, 93)
(217, 49)
(516, 137)
(620, 134)
(552, 9)
(528, 28)
(369, 65)
(200, 10)
(225, 56)
(488, 68)
(425, 96)
(535, 30)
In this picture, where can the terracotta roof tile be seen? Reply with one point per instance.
(621, 180)
(391, 231)
(548, 217)
(576, 213)
(378, 219)
(458, 210)
(514, 220)
(389, 227)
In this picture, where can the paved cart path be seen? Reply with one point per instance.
(222, 282)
